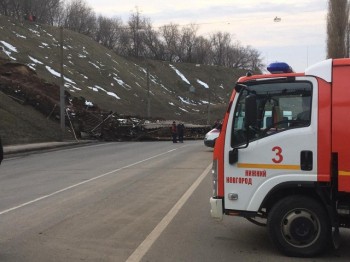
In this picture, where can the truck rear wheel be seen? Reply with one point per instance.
(299, 226)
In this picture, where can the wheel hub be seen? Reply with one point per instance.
(300, 228)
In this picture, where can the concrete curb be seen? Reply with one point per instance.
(25, 148)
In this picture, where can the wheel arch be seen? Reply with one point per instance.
(309, 189)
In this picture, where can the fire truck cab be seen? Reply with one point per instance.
(291, 173)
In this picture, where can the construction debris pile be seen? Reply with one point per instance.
(85, 121)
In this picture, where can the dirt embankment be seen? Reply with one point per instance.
(26, 102)
(30, 112)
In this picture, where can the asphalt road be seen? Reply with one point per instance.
(124, 202)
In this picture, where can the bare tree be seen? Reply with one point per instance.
(246, 58)
(15, 9)
(18, 9)
(170, 34)
(254, 62)
(187, 41)
(337, 21)
(5, 7)
(220, 43)
(80, 17)
(108, 31)
(153, 46)
(42, 11)
(139, 38)
(236, 56)
(202, 53)
(124, 43)
(137, 25)
(46, 11)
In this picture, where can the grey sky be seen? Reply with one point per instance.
(298, 39)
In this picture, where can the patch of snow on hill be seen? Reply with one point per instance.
(202, 83)
(113, 94)
(18, 35)
(32, 66)
(98, 62)
(9, 46)
(68, 85)
(36, 61)
(153, 79)
(165, 88)
(93, 88)
(84, 51)
(88, 103)
(49, 34)
(121, 82)
(94, 65)
(186, 101)
(8, 49)
(180, 74)
(55, 73)
(34, 31)
(96, 88)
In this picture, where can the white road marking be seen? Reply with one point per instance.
(142, 249)
(86, 181)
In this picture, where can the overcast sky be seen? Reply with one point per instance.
(298, 39)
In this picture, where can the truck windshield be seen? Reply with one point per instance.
(280, 107)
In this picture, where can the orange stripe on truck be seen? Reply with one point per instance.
(268, 166)
(344, 173)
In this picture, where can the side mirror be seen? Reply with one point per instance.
(233, 156)
(250, 111)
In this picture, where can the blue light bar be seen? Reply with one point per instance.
(279, 68)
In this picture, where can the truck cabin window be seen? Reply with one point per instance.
(280, 107)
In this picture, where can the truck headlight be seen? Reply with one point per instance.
(214, 172)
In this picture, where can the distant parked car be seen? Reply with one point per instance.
(210, 137)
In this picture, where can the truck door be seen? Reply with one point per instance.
(280, 145)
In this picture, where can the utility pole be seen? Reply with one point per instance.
(148, 96)
(208, 119)
(62, 102)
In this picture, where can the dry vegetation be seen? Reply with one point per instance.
(37, 88)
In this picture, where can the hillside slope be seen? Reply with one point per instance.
(22, 124)
(100, 77)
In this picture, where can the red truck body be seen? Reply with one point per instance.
(294, 174)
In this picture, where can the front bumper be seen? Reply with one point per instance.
(216, 210)
(209, 143)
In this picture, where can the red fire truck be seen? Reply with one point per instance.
(288, 171)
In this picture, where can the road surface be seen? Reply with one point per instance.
(126, 201)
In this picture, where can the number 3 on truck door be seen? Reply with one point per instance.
(279, 157)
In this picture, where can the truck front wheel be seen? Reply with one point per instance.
(299, 226)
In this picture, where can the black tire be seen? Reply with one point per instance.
(299, 226)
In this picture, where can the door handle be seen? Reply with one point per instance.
(306, 160)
